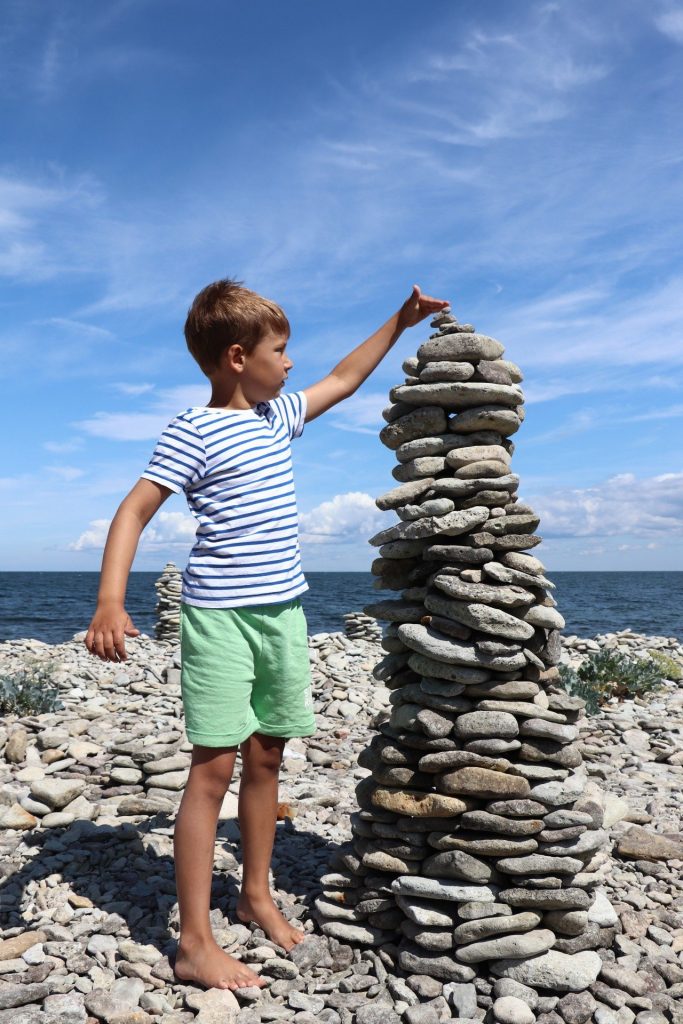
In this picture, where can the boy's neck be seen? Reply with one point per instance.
(228, 397)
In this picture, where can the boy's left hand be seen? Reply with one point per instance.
(417, 307)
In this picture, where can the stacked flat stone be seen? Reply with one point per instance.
(473, 851)
(168, 588)
(359, 626)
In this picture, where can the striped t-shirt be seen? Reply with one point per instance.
(235, 467)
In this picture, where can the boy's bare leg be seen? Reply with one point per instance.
(257, 811)
(199, 958)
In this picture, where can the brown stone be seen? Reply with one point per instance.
(418, 804)
(641, 844)
(483, 783)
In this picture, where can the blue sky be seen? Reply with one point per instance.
(522, 160)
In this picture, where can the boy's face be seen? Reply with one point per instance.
(267, 366)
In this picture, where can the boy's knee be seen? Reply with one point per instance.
(263, 752)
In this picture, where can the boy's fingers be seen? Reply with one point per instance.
(108, 645)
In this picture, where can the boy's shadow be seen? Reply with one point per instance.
(118, 868)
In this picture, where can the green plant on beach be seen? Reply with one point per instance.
(30, 690)
(610, 674)
(669, 668)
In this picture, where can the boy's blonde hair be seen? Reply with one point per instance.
(225, 313)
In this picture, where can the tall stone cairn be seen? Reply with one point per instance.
(168, 587)
(474, 852)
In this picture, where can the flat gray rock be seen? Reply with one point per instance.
(452, 524)
(475, 724)
(558, 793)
(400, 495)
(548, 899)
(441, 889)
(464, 455)
(559, 972)
(458, 396)
(444, 370)
(506, 597)
(549, 730)
(546, 618)
(484, 928)
(459, 347)
(504, 574)
(486, 417)
(416, 423)
(518, 947)
(539, 864)
(455, 487)
(489, 619)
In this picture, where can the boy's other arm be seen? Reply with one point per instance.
(111, 622)
(348, 375)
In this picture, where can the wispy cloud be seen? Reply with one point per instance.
(624, 504)
(144, 425)
(345, 518)
(670, 23)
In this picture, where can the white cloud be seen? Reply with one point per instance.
(361, 413)
(650, 508)
(144, 426)
(132, 389)
(63, 447)
(170, 528)
(66, 473)
(670, 23)
(346, 518)
(94, 537)
(167, 529)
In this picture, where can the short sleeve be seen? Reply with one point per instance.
(178, 460)
(292, 411)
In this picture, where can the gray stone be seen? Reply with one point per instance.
(459, 347)
(422, 422)
(482, 783)
(550, 899)
(456, 396)
(486, 417)
(509, 946)
(414, 960)
(507, 597)
(463, 999)
(560, 972)
(508, 987)
(510, 1010)
(488, 619)
(486, 724)
(475, 931)
(452, 524)
(441, 889)
(538, 864)
(576, 1007)
(457, 864)
(57, 793)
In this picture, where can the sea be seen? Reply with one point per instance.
(54, 606)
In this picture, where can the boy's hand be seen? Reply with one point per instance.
(417, 307)
(105, 637)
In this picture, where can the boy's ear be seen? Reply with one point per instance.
(232, 358)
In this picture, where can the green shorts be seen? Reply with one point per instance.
(245, 670)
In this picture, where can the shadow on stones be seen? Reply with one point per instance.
(118, 868)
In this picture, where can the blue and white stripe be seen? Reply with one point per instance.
(235, 467)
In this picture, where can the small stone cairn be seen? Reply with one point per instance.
(168, 588)
(359, 626)
(475, 851)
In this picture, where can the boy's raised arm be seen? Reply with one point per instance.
(348, 375)
(111, 622)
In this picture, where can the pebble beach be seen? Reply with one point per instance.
(89, 794)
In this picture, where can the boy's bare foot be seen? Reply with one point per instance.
(263, 911)
(207, 964)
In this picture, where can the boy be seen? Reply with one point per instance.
(245, 678)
